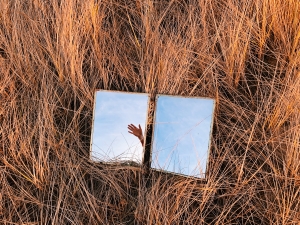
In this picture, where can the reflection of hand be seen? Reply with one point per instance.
(136, 132)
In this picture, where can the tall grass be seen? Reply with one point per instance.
(245, 54)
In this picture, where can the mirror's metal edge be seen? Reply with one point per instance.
(210, 138)
(210, 135)
(92, 130)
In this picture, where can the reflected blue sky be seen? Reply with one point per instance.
(181, 134)
(113, 112)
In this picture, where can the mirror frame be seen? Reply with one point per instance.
(210, 135)
(93, 120)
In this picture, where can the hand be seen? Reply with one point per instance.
(136, 132)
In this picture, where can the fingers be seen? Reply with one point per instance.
(132, 127)
(134, 130)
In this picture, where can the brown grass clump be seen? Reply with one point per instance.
(244, 53)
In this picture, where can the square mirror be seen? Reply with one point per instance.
(182, 132)
(113, 112)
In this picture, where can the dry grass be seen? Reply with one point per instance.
(244, 53)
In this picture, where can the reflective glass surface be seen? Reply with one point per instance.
(113, 112)
(182, 132)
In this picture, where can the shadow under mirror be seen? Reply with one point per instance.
(182, 134)
(118, 120)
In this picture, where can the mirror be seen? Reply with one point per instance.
(113, 112)
(182, 132)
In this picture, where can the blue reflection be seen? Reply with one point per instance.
(112, 113)
(182, 134)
